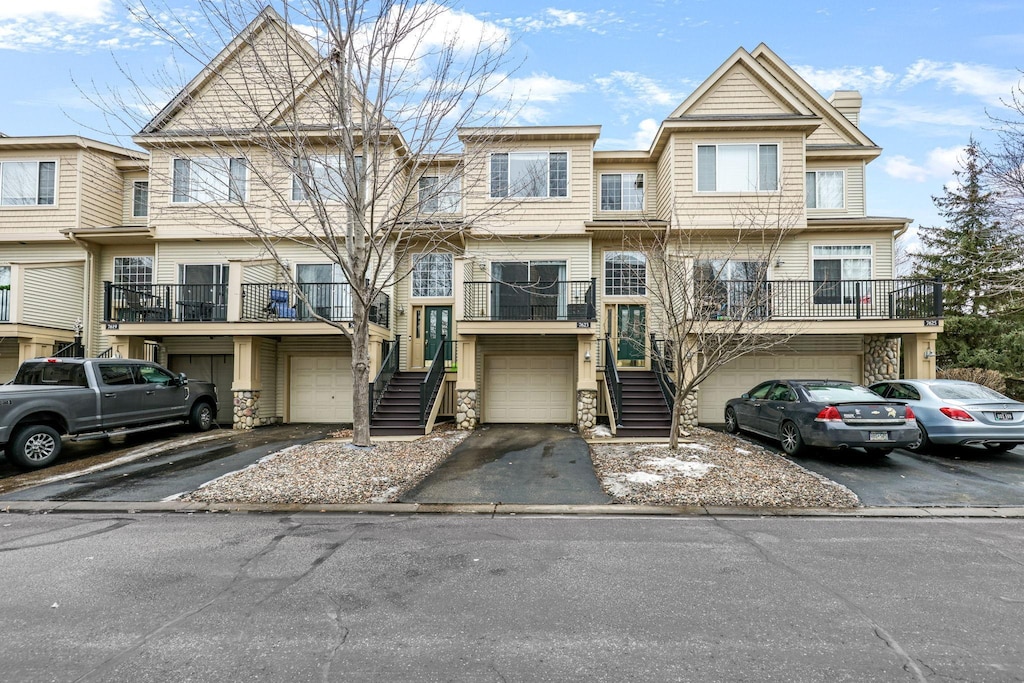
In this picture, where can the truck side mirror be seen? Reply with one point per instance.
(181, 380)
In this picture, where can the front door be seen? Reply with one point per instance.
(437, 326)
(632, 324)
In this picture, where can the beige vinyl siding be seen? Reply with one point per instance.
(795, 254)
(269, 403)
(650, 172)
(171, 254)
(574, 251)
(260, 273)
(825, 134)
(853, 178)
(752, 210)
(667, 180)
(53, 296)
(530, 215)
(30, 223)
(738, 92)
(102, 185)
(214, 346)
(128, 198)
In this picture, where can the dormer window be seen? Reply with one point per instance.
(530, 174)
(622, 191)
(738, 168)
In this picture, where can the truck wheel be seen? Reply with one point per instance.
(201, 417)
(34, 446)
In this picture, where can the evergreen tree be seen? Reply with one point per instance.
(979, 262)
(975, 257)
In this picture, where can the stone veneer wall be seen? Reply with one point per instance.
(881, 358)
(247, 411)
(466, 410)
(688, 418)
(586, 409)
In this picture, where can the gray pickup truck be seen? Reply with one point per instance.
(94, 398)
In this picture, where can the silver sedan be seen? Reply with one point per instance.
(953, 412)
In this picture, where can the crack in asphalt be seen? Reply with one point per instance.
(343, 631)
(120, 524)
(909, 664)
(238, 582)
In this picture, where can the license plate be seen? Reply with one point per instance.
(878, 436)
(1004, 416)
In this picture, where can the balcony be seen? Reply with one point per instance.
(259, 302)
(562, 300)
(818, 300)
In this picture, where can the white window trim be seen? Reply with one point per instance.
(825, 170)
(600, 191)
(412, 280)
(191, 201)
(56, 186)
(733, 193)
(547, 198)
(135, 184)
(870, 256)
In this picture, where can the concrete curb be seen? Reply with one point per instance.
(50, 507)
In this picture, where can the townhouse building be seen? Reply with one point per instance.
(539, 306)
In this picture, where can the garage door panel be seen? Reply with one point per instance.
(742, 374)
(528, 389)
(320, 389)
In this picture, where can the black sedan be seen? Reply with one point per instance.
(822, 413)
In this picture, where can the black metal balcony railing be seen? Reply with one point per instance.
(565, 300)
(307, 300)
(5, 305)
(818, 299)
(165, 303)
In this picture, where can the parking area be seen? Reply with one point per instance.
(949, 476)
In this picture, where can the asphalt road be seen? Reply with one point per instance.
(155, 467)
(511, 598)
(950, 476)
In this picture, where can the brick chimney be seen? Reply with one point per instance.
(848, 103)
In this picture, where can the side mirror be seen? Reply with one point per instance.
(181, 380)
(745, 396)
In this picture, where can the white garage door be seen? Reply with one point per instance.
(739, 376)
(320, 389)
(529, 389)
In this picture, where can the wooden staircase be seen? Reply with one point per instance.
(644, 409)
(399, 410)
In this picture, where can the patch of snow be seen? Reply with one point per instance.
(601, 432)
(744, 451)
(644, 478)
(616, 488)
(385, 496)
(694, 446)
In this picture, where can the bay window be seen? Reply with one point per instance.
(738, 168)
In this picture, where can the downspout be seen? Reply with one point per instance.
(87, 314)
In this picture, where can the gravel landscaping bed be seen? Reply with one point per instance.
(334, 472)
(714, 469)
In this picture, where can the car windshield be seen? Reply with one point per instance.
(967, 392)
(840, 393)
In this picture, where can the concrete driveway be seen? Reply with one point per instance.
(527, 464)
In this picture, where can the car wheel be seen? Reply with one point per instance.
(999, 447)
(923, 443)
(732, 424)
(34, 446)
(789, 437)
(201, 417)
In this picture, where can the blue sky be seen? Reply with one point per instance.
(929, 72)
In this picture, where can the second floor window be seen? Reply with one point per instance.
(140, 198)
(622, 191)
(440, 194)
(321, 178)
(209, 179)
(530, 174)
(28, 183)
(625, 273)
(825, 190)
(738, 168)
(432, 275)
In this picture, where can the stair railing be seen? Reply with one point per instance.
(661, 365)
(388, 368)
(432, 382)
(612, 381)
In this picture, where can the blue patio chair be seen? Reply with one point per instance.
(278, 306)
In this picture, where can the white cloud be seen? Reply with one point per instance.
(644, 135)
(895, 114)
(539, 88)
(979, 80)
(553, 18)
(79, 10)
(633, 89)
(939, 164)
(871, 78)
